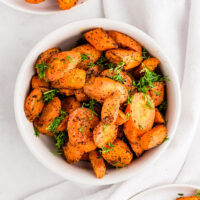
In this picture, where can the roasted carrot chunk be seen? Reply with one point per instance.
(100, 39)
(129, 57)
(153, 137)
(125, 41)
(98, 164)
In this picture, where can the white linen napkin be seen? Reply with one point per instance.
(176, 28)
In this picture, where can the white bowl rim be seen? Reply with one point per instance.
(152, 189)
(36, 153)
(21, 9)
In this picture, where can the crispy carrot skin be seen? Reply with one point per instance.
(72, 153)
(45, 56)
(121, 118)
(100, 88)
(81, 123)
(110, 109)
(38, 83)
(99, 39)
(61, 63)
(34, 1)
(188, 198)
(66, 4)
(150, 64)
(33, 104)
(67, 92)
(70, 104)
(73, 79)
(127, 80)
(125, 41)
(141, 119)
(159, 119)
(98, 164)
(50, 111)
(89, 55)
(119, 155)
(104, 133)
(131, 58)
(80, 95)
(157, 93)
(153, 137)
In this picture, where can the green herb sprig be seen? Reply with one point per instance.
(145, 54)
(91, 104)
(104, 63)
(180, 194)
(61, 138)
(36, 132)
(84, 57)
(117, 70)
(147, 81)
(105, 150)
(42, 67)
(198, 194)
(54, 125)
(49, 95)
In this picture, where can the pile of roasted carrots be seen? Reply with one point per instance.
(63, 4)
(104, 100)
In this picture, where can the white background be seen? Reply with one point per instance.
(20, 173)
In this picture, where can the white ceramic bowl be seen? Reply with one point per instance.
(66, 37)
(44, 8)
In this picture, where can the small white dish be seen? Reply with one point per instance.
(66, 37)
(167, 192)
(45, 8)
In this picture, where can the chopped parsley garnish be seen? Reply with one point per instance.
(106, 127)
(61, 138)
(148, 101)
(49, 95)
(128, 114)
(157, 93)
(140, 127)
(36, 132)
(105, 149)
(91, 64)
(115, 164)
(145, 54)
(63, 60)
(110, 144)
(198, 194)
(117, 70)
(84, 57)
(54, 125)
(104, 63)
(42, 67)
(81, 129)
(147, 81)
(166, 139)
(129, 99)
(180, 194)
(91, 105)
(69, 58)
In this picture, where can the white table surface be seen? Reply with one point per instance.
(21, 174)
